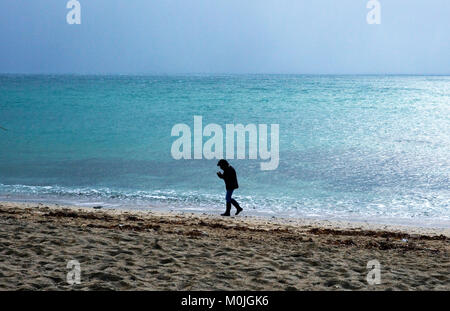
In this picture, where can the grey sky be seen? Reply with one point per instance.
(225, 36)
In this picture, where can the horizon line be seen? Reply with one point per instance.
(218, 73)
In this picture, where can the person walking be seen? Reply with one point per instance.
(231, 184)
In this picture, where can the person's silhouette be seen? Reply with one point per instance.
(231, 183)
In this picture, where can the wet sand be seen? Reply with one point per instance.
(132, 250)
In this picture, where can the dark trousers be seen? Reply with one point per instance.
(229, 200)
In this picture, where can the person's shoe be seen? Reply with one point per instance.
(239, 209)
(227, 211)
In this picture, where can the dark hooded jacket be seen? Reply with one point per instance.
(230, 178)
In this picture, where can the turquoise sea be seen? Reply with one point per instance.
(366, 148)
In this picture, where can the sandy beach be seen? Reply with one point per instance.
(134, 250)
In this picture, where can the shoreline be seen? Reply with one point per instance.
(387, 223)
(153, 250)
(249, 219)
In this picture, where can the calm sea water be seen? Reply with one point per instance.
(372, 148)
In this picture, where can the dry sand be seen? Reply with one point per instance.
(131, 250)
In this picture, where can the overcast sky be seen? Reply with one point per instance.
(225, 36)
